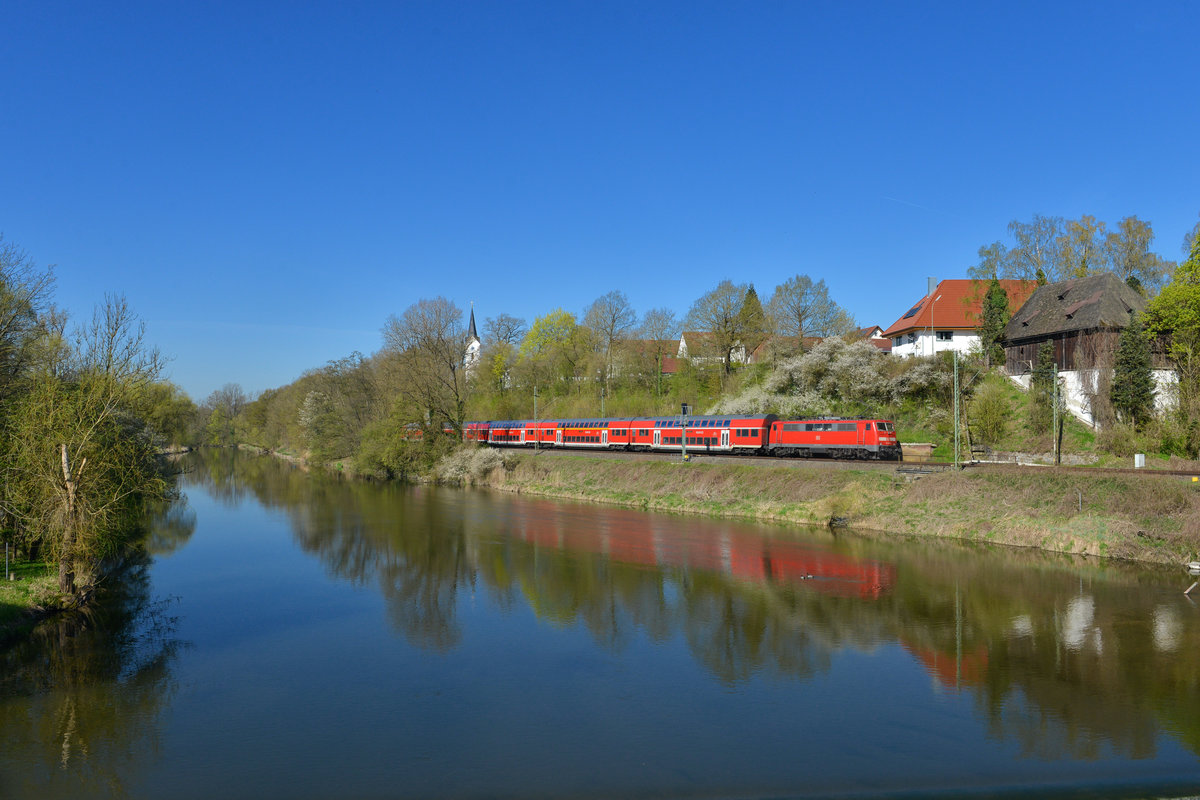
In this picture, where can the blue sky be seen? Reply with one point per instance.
(267, 182)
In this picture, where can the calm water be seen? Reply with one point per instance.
(299, 636)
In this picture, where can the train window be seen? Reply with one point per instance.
(868, 426)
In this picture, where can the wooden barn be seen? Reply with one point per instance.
(1083, 317)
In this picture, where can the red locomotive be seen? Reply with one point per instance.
(763, 434)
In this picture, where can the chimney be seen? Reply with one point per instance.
(932, 287)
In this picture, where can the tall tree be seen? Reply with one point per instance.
(801, 308)
(753, 321)
(993, 261)
(429, 343)
(995, 316)
(504, 328)
(552, 350)
(83, 460)
(1128, 256)
(612, 318)
(1082, 246)
(1173, 318)
(1038, 246)
(661, 328)
(1041, 389)
(718, 313)
(1132, 391)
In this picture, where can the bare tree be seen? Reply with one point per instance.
(802, 309)
(661, 328)
(1039, 246)
(430, 344)
(504, 328)
(718, 313)
(611, 317)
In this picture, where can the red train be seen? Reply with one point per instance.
(763, 434)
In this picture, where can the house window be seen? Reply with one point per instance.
(945, 336)
(912, 338)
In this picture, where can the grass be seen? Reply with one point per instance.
(33, 586)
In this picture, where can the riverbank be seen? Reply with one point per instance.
(27, 599)
(1145, 518)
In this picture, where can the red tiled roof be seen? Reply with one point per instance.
(957, 304)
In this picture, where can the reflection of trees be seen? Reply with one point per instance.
(89, 690)
(1059, 655)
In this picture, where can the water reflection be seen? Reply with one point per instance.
(83, 695)
(1061, 656)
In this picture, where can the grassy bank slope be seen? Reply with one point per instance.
(1134, 516)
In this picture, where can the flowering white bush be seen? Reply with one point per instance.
(468, 465)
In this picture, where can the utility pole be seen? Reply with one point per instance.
(1054, 431)
(956, 410)
(683, 430)
(535, 419)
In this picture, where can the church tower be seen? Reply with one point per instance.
(471, 358)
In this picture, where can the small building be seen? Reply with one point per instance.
(949, 315)
(1083, 319)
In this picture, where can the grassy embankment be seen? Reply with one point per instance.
(1120, 516)
(21, 599)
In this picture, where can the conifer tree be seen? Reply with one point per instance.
(995, 319)
(753, 321)
(1041, 389)
(1133, 382)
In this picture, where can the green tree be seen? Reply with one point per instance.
(753, 321)
(1173, 318)
(429, 345)
(1132, 391)
(84, 464)
(1127, 251)
(995, 316)
(1041, 389)
(549, 352)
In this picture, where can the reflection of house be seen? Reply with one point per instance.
(1083, 319)
(949, 316)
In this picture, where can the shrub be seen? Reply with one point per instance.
(989, 414)
(467, 465)
(1119, 439)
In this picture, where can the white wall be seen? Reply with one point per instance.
(1073, 383)
(925, 343)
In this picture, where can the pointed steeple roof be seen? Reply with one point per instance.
(471, 332)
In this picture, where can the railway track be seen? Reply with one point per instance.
(911, 467)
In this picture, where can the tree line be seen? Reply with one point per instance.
(389, 409)
(84, 417)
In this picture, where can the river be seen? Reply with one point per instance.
(296, 635)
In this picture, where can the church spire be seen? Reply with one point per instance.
(471, 332)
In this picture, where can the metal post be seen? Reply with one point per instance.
(955, 409)
(1054, 429)
(535, 419)
(601, 401)
(683, 430)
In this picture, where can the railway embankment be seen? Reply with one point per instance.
(1139, 517)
